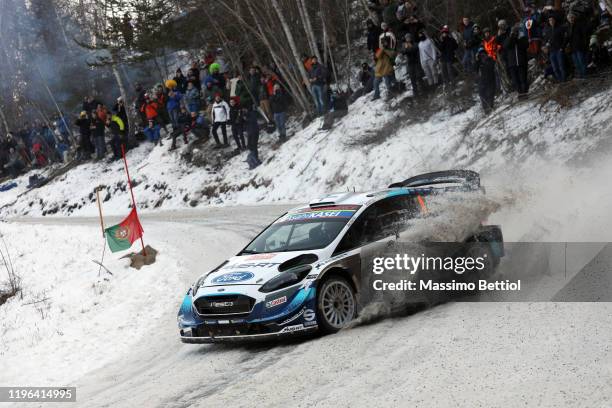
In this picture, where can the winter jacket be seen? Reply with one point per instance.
(84, 125)
(531, 26)
(491, 47)
(220, 112)
(150, 110)
(98, 127)
(448, 47)
(390, 36)
(428, 50)
(319, 74)
(557, 37)
(152, 133)
(578, 36)
(236, 117)
(389, 13)
(366, 77)
(515, 49)
(412, 55)
(192, 96)
(174, 102)
(372, 38)
(121, 112)
(468, 34)
(181, 83)
(486, 74)
(114, 128)
(279, 102)
(242, 92)
(384, 63)
(120, 124)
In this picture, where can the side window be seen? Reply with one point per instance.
(381, 220)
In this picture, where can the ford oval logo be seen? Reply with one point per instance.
(233, 277)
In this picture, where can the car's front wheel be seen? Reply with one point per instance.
(336, 304)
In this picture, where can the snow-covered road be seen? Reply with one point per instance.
(121, 348)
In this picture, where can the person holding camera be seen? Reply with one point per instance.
(384, 70)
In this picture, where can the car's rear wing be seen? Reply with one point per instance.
(454, 180)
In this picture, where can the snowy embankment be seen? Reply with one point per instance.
(519, 148)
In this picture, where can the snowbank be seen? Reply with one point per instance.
(376, 144)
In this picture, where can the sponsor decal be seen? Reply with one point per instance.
(290, 329)
(312, 276)
(276, 302)
(289, 320)
(252, 265)
(222, 304)
(319, 214)
(257, 257)
(233, 277)
(308, 324)
(309, 315)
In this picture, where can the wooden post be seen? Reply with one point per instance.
(100, 210)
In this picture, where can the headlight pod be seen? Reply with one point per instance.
(287, 278)
(197, 285)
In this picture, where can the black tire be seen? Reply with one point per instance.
(336, 304)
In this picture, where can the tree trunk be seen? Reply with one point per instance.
(302, 98)
(308, 27)
(59, 111)
(291, 41)
(124, 96)
(347, 28)
(293, 79)
(4, 122)
(371, 15)
(325, 35)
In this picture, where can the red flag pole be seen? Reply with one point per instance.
(127, 172)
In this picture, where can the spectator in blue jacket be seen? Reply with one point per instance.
(152, 132)
(192, 97)
(174, 106)
(317, 77)
(469, 55)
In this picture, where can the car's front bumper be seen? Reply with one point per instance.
(294, 315)
(189, 338)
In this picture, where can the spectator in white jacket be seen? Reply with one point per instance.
(429, 57)
(220, 117)
(387, 33)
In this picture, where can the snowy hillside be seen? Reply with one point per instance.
(375, 144)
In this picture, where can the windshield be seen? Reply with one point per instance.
(303, 230)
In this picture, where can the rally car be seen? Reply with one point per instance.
(301, 274)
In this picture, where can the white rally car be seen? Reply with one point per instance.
(302, 273)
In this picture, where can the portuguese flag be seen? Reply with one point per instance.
(121, 236)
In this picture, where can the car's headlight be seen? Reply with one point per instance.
(197, 284)
(287, 278)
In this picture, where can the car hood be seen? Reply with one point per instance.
(255, 269)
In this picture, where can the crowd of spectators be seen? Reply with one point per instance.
(210, 98)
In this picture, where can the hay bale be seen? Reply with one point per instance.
(138, 260)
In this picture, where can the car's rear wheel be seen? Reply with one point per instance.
(336, 304)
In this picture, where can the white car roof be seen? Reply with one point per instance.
(346, 198)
